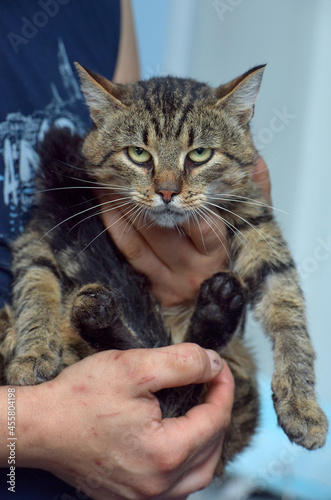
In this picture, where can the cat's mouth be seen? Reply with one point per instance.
(167, 216)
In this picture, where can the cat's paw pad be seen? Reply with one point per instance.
(93, 308)
(302, 420)
(221, 295)
(33, 369)
(220, 305)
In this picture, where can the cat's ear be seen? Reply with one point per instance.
(101, 95)
(239, 95)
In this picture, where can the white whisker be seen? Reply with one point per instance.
(135, 216)
(99, 186)
(208, 219)
(94, 183)
(243, 239)
(80, 213)
(243, 199)
(69, 165)
(129, 215)
(259, 232)
(180, 231)
(99, 212)
(196, 218)
(98, 235)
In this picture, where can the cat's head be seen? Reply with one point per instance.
(171, 143)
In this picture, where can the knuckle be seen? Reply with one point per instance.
(151, 488)
(207, 479)
(227, 420)
(169, 461)
(134, 250)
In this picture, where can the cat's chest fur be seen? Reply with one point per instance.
(177, 319)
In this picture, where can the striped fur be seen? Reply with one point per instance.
(73, 291)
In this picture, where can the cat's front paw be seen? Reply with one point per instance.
(301, 418)
(33, 368)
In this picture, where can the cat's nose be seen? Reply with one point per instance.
(166, 195)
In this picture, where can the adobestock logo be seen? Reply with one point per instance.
(223, 7)
(30, 27)
(279, 121)
(321, 253)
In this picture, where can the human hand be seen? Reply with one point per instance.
(176, 265)
(102, 430)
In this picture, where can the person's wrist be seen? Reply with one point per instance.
(35, 410)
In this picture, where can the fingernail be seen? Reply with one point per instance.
(216, 362)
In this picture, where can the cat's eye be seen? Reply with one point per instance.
(139, 155)
(200, 155)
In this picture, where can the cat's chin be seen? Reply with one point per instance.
(168, 218)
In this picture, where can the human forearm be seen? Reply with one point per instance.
(127, 67)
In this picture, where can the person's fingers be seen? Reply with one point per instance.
(262, 178)
(147, 248)
(221, 389)
(208, 236)
(170, 261)
(200, 476)
(162, 246)
(130, 241)
(200, 434)
(171, 366)
(201, 237)
(174, 249)
(201, 421)
(219, 397)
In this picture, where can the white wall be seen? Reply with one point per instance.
(216, 40)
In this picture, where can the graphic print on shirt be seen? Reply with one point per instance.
(19, 135)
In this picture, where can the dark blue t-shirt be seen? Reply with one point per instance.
(39, 42)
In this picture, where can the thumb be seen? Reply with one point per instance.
(177, 365)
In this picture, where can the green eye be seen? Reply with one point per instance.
(200, 155)
(139, 155)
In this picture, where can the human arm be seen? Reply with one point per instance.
(127, 66)
(98, 425)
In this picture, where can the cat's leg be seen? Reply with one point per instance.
(245, 410)
(263, 261)
(218, 312)
(8, 340)
(37, 308)
(74, 348)
(218, 315)
(279, 306)
(98, 316)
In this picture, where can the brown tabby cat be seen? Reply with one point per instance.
(169, 150)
